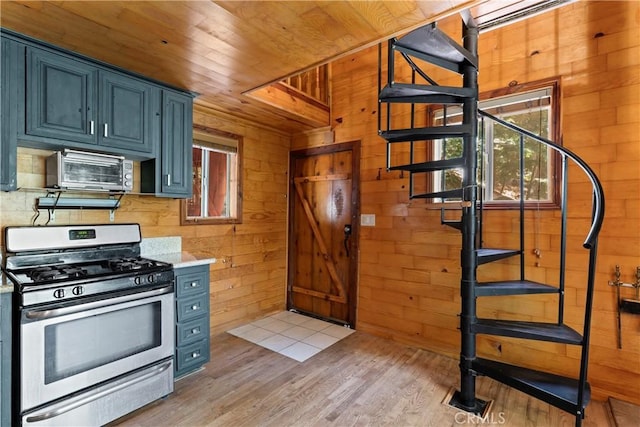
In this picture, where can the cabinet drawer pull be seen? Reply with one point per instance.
(193, 284)
(195, 331)
(106, 130)
(92, 127)
(194, 307)
(195, 354)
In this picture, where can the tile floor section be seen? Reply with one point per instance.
(291, 334)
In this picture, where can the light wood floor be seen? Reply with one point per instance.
(360, 381)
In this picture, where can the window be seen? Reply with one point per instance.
(217, 190)
(533, 107)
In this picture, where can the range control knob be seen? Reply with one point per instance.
(78, 290)
(58, 293)
(137, 280)
(151, 278)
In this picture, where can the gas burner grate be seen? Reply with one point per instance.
(130, 264)
(42, 274)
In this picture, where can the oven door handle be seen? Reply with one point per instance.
(91, 396)
(47, 314)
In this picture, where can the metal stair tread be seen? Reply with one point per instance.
(446, 194)
(540, 331)
(513, 287)
(425, 133)
(556, 390)
(415, 93)
(433, 45)
(486, 255)
(453, 224)
(436, 165)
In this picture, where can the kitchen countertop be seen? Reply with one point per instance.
(182, 259)
(169, 249)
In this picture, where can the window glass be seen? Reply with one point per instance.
(498, 148)
(216, 180)
(79, 345)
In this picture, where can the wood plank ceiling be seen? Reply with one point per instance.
(222, 49)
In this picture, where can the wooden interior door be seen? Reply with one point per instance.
(323, 232)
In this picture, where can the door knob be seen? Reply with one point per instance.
(347, 234)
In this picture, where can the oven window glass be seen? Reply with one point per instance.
(79, 345)
(83, 172)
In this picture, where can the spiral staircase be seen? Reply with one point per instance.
(431, 46)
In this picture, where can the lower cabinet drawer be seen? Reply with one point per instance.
(192, 283)
(192, 355)
(192, 319)
(190, 308)
(192, 331)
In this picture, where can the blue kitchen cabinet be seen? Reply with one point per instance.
(54, 99)
(61, 100)
(129, 112)
(5, 362)
(69, 99)
(11, 74)
(169, 174)
(192, 319)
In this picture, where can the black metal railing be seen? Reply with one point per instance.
(590, 242)
(598, 193)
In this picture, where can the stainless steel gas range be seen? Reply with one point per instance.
(94, 320)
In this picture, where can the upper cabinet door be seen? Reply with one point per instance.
(177, 140)
(11, 88)
(61, 97)
(127, 110)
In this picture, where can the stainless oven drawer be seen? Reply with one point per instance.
(190, 308)
(192, 355)
(107, 402)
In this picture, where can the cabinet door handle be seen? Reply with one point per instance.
(92, 127)
(168, 179)
(106, 130)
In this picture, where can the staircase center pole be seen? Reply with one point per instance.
(468, 256)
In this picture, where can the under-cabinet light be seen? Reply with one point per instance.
(71, 203)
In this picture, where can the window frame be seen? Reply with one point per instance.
(555, 135)
(207, 136)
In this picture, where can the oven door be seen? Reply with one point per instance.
(67, 349)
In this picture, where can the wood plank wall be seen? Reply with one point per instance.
(248, 280)
(409, 272)
(409, 263)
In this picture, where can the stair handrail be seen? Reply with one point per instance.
(590, 243)
(598, 192)
(416, 69)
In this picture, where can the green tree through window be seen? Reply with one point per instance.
(499, 148)
(506, 157)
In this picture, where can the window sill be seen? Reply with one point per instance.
(210, 221)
